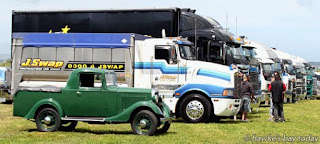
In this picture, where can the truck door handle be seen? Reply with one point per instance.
(78, 93)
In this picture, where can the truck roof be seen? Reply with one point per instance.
(94, 10)
(78, 40)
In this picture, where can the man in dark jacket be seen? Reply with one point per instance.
(247, 93)
(277, 87)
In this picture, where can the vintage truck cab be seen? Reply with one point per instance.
(92, 95)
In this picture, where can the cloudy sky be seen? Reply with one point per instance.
(289, 25)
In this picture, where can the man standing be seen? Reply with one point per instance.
(277, 87)
(247, 94)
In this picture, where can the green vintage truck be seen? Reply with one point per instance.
(92, 96)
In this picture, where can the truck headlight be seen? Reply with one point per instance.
(227, 92)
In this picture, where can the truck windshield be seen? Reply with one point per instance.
(267, 67)
(277, 67)
(247, 52)
(185, 51)
(238, 53)
(111, 79)
(289, 69)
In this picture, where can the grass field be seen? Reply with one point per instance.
(303, 119)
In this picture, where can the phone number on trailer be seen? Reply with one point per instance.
(116, 67)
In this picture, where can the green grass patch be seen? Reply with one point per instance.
(302, 119)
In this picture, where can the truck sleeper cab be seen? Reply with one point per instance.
(139, 61)
(92, 95)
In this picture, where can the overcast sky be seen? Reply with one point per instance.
(288, 25)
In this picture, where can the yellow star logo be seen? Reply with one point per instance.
(65, 29)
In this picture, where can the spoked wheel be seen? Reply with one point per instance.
(144, 123)
(68, 125)
(164, 128)
(48, 120)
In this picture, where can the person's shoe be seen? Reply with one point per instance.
(246, 120)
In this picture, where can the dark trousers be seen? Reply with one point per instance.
(293, 97)
(278, 110)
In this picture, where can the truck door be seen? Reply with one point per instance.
(91, 99)
(165, 68)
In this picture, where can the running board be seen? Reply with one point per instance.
(93, 119)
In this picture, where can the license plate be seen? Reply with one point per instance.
(2, 99)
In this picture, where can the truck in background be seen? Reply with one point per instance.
(300, 75)
(309, 80)
(5, 84)
(233, 48)
(265, 64)
(194, 90)
(288, 73)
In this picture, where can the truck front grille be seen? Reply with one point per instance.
(237, 85)
(298, 91)
(254, 77)
(289, 85)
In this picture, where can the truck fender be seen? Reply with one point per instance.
(125, 115)
(31, 114)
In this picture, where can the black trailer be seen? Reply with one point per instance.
(175, 21)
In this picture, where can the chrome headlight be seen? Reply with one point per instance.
(155, 95)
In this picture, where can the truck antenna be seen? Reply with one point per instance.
(227, 22)
(195, 38)
(236, 26)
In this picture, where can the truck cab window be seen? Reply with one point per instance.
(90, 80)
(167, 53)
(111, 79)
(185, 51)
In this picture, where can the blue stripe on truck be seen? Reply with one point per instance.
(212, 91)
(161, 66)
(214, 74)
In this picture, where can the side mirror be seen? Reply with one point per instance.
(173, 60)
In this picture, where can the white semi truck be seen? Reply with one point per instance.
(300, 75)
(288, 74)
(266, 66)
(194, 90)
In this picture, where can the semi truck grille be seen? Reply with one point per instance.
(298, 90)
(237, 85)
(289, 85)
(254, 77)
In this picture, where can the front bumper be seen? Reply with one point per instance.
(225, 107)
(163, 120)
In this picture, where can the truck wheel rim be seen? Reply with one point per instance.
(47, 120)
(143, 124)
(194, 109)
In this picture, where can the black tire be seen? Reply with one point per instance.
(68, 125)
(144, 122)
(199, 102)
(48, 120)
(165, 127)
